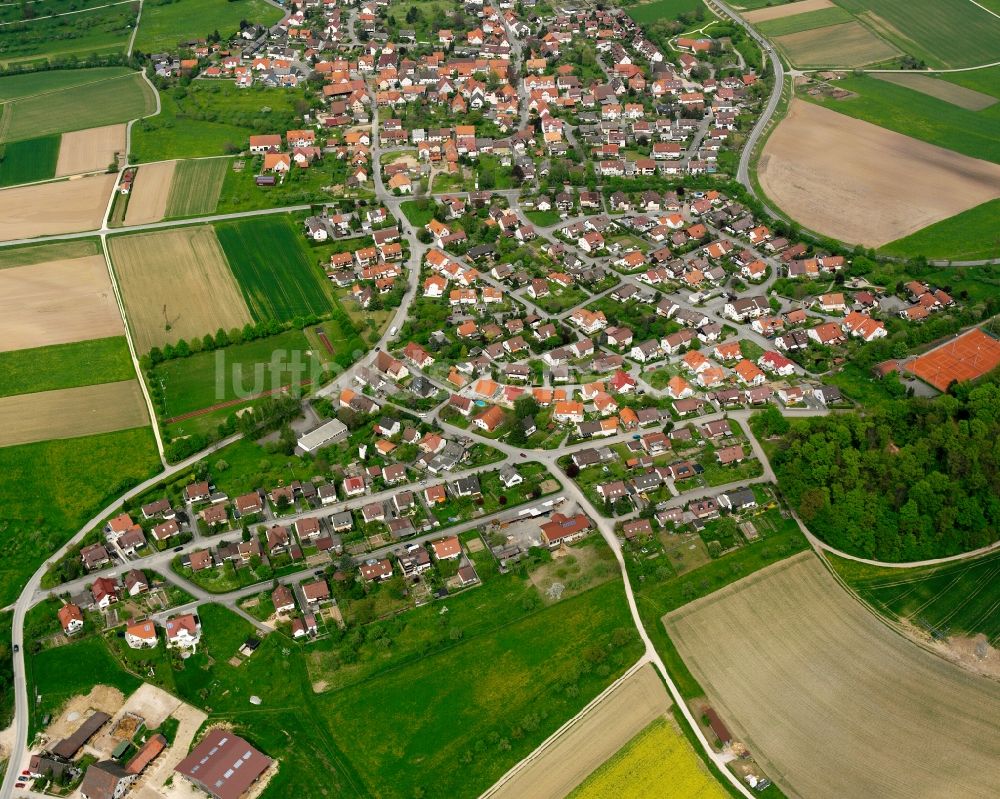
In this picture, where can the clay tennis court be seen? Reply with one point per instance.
(47, 209)
(832, 702)
(89, 150)
(148, 200)
(863, 184)
(787, 10)
(71, 412)
(56, 302)
(969, 356)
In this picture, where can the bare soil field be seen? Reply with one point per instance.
(56, 302)
(71, 412)
(176, 284)
(831, 701)
(952, 93)
(89, 150)
(554, 770)
(148, 200)
(863, 184)
(101, 697)
(787, 10)
(47, 209)
(847, 45)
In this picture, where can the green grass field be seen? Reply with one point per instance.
(969, 236)
(804, 22)
(195, 187)
(645, 13)
(83, 363)
(921, 116)
(165, 23)
(99, 31)
(29, 84)
(40, 253)
(278, 278)
(51, 488)
(106, 98)
(29, 160)
(960, 598)
(941, 34)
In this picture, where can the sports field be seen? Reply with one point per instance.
(829, 699)
(176, 284)
(102, 29)
(147, 201)
(83, 363)
(196, 185)
(850, 44)
(167, 22)
(658, 758)
(963, 237)
(71, 412)
(56, 302)
(278, 277)
(91, 149)
(29, 160)
(36, 105)
(967, 357)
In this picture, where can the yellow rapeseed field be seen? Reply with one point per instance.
(658, 756)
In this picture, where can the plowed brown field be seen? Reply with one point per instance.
(47, 209)
(89, 150)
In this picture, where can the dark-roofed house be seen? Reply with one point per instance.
(105, 780)
(223, 765)
(68, 747)
(738, 499)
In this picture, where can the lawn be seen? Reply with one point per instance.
(418, 212)
(804, 22)
(101, 97)
(657, 756)
(29, 160)
(919, 115)
(968, 236)
(96, 32)
(543, 218)
(49, 489)
(195, 187)
(956, 598)
(166, 23)
(83, 363)
(273, 268)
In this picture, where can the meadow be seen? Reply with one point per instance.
(646, 13)
(920, 116)
(82, 363)
(968, 236)
(269, 259)
(657, 756)
(956, 598)
(804, 22)
(95, 32)
(195, 187)
(28, 84)
(165, 23)
(28, 160)
(102, 97)
(52, 487)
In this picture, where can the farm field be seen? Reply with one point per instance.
(84, 363)
(946, 35)
(963, 237)
(13, 87)
(850, 44)
(55, 302)
(969, 99)
(806, 21)
(89, 150)
(834, 731)
(176, 284)
(165, 23)
(957, 599)
(31, 254)
(863, 184)
(658, 756)
(47, 209)
(71, 412)
(45, 38)
(71, 479)
(638, 702)
(148, 199)
(765, 11)
(101, 97)
(278, 278)
(29, 160)
(195, 187)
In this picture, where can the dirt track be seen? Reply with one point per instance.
(89, 150)
(615, 721)
(787, 10)
(56, 302)
(831, 702)
(864, 184)
(71, 412)
(148, 202)
(47, 209)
